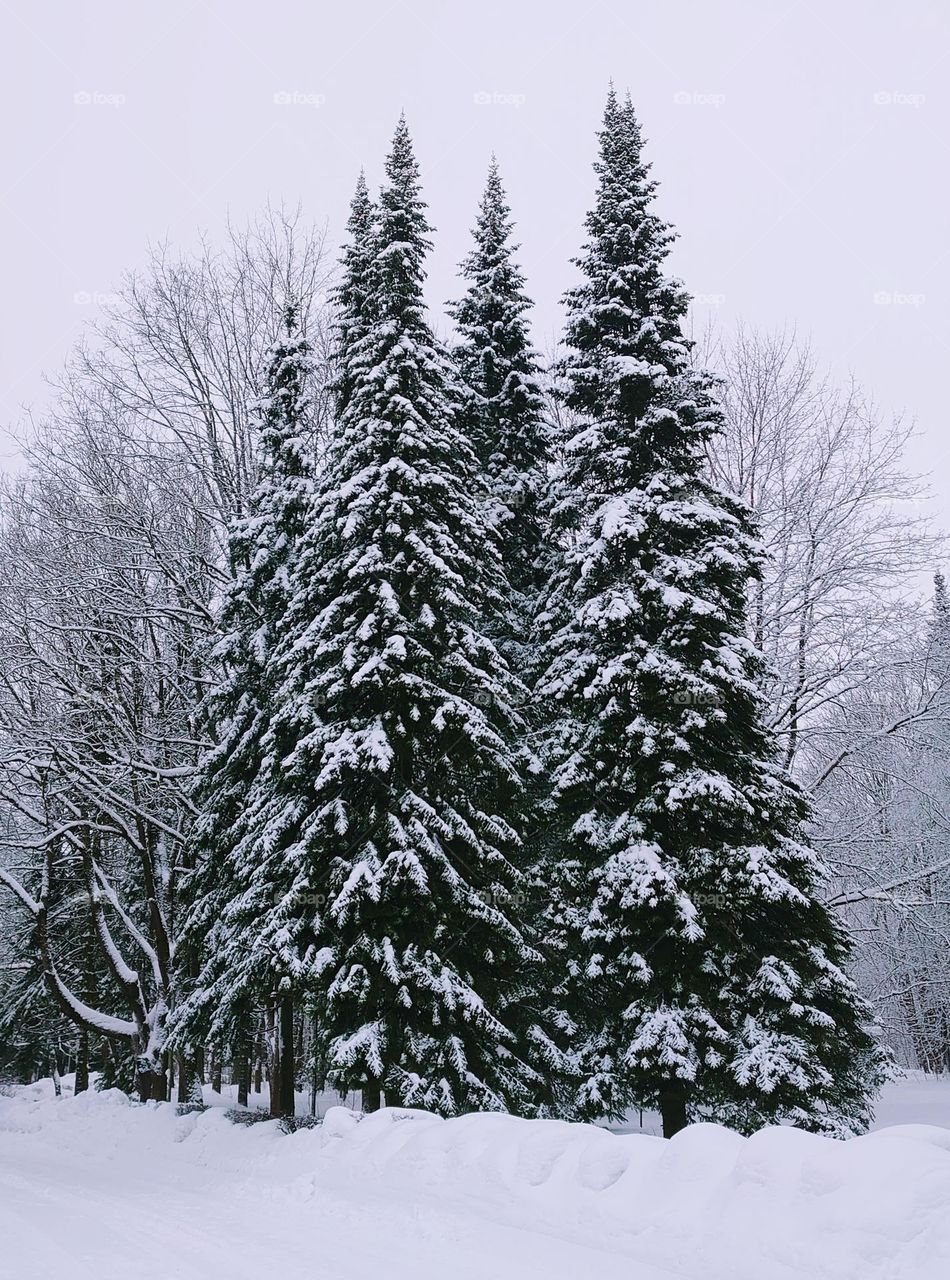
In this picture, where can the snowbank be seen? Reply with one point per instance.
(710, 1203)
(782, 1204)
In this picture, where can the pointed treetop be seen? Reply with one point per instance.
(623, 262)
(493, 220)
(403, 226)
(351, 293)
(941, 609)
(401, 155)
(361, 194)
(941, 599)
(621, 143)
(402, 170)
(286, 400)
(504, 407)
(291, 315)
(362, 210)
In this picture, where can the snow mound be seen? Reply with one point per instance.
(780, 1205)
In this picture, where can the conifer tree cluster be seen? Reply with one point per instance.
(373, 834)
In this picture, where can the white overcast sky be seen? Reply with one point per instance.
(802, 151)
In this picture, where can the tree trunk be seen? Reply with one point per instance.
(271, 1040)
(184, 1081)
(151, 1086)
(318, 1058)
(673, 1108)
(287, 1060)
(241, 1066)
(82, 1062)
(216, 1057)
(143, 1084)
(372, 1096)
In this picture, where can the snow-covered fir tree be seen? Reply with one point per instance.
(705, 976)
(242, 915)
(425, 983)
(503, 407)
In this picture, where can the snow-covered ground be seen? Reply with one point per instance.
(97, 1187)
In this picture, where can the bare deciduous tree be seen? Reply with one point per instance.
(111, 565)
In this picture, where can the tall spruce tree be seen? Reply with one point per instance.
(242, 917)
(503, 408)
(424, 982)
(705, 977)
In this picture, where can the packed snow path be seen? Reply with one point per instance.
(94, 1187)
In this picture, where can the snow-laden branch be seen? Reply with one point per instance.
(131, 927)
(16, 888)
(85, 1015)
